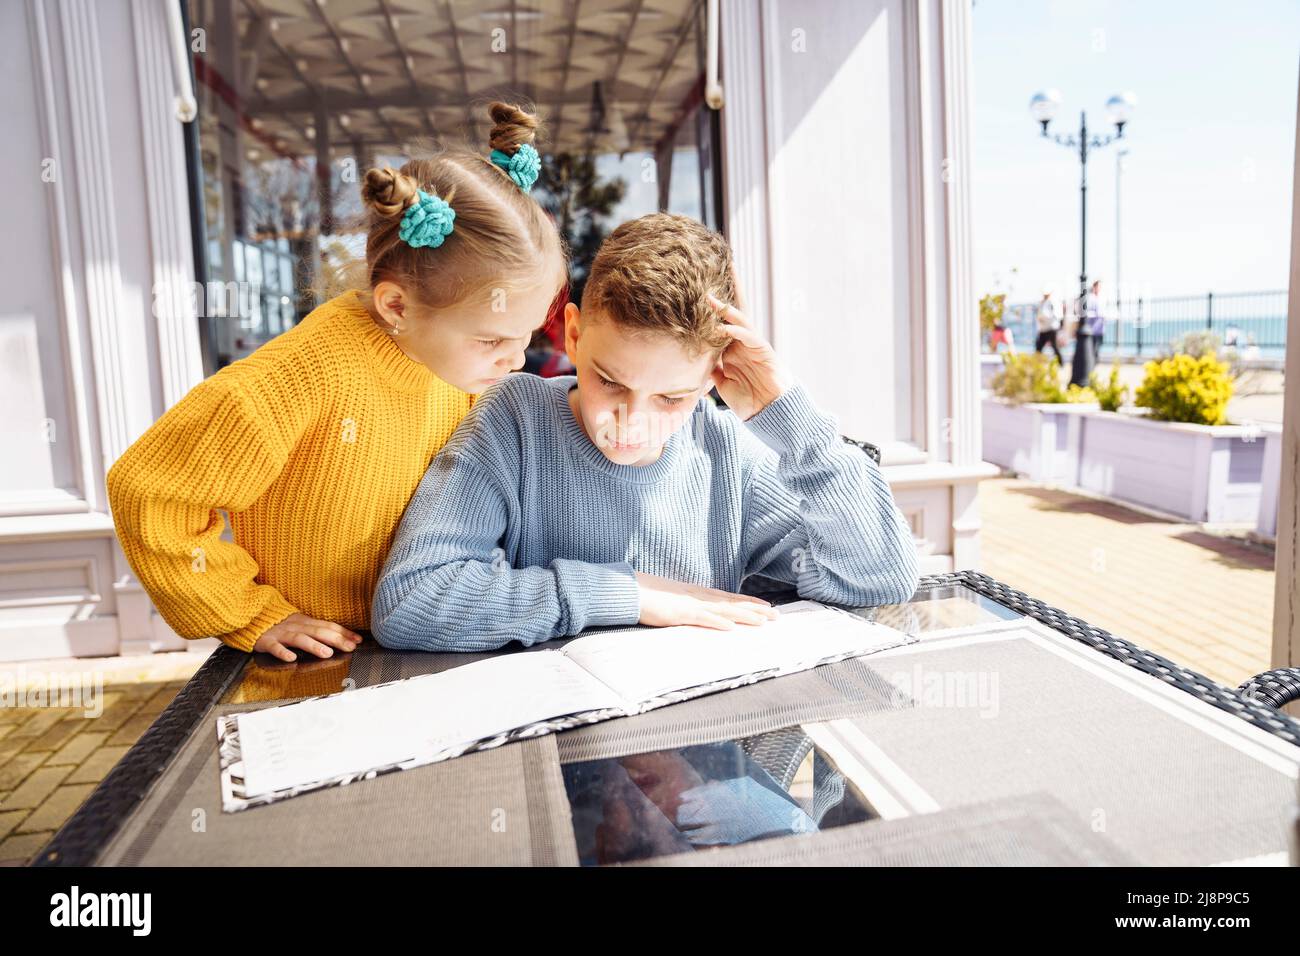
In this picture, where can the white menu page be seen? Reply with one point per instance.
(647, 662)
(359, 730)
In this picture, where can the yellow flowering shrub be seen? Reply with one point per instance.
(1183, 388)
(1084, 395)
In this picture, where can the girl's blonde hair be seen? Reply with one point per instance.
(502, 238)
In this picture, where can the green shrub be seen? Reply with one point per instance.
(1204, 342)
(1196, 344)
(1028, 377)
(1111, 395)
(991, 309)
(1182, 388)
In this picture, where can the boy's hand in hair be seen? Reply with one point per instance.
(306, 634)
(748, 375)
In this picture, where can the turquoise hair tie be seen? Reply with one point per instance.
(427, 221)
(523, 167)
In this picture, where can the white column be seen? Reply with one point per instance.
(1286, 600)
(955, 175)
(744, 153)
(847, 172)
(97, 158)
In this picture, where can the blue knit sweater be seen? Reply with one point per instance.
(523, 531)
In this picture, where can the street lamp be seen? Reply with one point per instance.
(1119, 182)
(1119, 108)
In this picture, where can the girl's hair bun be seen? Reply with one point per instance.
(388, 191)
(512, 127)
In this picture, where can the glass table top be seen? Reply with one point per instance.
(939, 608)
(770, 794)
(931, 608)
(703, 797)
(766, 786)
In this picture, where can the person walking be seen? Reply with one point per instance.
(1087, 340)
(1049, 323)
(1002, 335)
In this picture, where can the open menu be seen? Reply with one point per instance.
(279, 752)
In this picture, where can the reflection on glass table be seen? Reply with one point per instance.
(706, 796)
(938, 608)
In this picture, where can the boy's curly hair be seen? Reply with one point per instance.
(651, 275)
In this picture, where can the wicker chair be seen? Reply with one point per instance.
(1275, 688)
(782, 752)
(866, 446)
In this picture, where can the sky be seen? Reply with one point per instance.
(1207, 182)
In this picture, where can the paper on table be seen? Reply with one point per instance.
(642, 664)
(360, 730)
(281, 750)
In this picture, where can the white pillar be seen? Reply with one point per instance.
(1286, 600)
(103, 313)
(846, 153)
(744, 153)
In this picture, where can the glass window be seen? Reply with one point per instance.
(270, 268)
(296, 101)
(253, 322)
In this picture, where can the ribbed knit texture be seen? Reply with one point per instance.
(313, 444)
(522, 529)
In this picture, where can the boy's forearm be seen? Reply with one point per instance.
(848, 544)
(481, 606)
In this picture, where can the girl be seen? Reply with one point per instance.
(315, 442)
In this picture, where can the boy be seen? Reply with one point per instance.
(573, 502)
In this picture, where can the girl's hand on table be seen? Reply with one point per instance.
(306, 634)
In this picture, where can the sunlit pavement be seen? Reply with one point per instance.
(51, 758)
(1203, 600)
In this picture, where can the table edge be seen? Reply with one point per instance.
(1204, 688)
(88, 831)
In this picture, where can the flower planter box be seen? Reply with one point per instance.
(1039, 441)
(1218, 474)
(990, 365)
(1201, 473)
(1270, 483)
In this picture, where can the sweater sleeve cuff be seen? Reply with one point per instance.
(272, 613)
(599, 594)
(792, 421)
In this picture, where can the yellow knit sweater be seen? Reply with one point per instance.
(313, 445)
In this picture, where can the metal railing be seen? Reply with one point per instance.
(1253, 322)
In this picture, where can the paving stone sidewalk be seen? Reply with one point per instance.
(1204, 600)
(52, 757)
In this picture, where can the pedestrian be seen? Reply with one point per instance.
(1002, 335)
(1087, 340)
(1049, 323)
